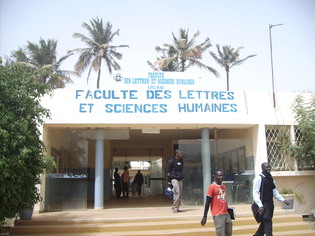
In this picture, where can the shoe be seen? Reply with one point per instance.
(175, 210)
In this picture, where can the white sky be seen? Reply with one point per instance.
(145, 24)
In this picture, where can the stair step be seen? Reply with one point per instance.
(285, 233)
(177, 233)
(174, 227)
(239, 220)
(150, 221)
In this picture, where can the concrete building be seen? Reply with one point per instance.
(139, 119)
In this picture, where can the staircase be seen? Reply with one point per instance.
(150, 223)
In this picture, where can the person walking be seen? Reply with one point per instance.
(175, 178)
(138, 181)
(264, 190)
(117, 183)
(216, 197)
(125, 182)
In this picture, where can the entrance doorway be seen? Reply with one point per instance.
(146, 160)
(231, 151)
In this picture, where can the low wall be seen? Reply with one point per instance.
(300, 184)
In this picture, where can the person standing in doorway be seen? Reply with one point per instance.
(175, 178)
(125, 182)
(138, 181)
(117, 183)
(216, 197)
(264, 190)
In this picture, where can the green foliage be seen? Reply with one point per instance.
(299, 197)
(99, 47)
(182, 54)
(49, 164)
(121, 164)
(284, 144)
(227, 58)
(21, 150)
(304, 149)
(42, 56)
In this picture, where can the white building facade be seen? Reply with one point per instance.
(139, 118)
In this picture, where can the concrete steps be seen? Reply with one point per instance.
(283, 224)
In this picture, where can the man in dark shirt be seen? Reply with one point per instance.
(175, 178)
(138, 180)
(265, 185)
(117, 184)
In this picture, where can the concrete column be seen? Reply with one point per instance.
(260, 148)
(99, 170)
(205, 159)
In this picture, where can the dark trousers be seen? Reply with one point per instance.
(265, 226)
(139, 189)
(125, 189)
(118, 190)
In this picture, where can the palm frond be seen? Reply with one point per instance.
(152, 66)
(42, 56)
(183, 53)
(239, 62)
(99, 48)
(163, 63)
(84, 60)
(204, 66)
(228, 58)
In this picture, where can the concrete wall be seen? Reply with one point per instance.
(303, 184)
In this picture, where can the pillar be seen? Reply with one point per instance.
(205, 159)
(260, 147)
(99, 170)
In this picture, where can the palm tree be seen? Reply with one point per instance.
(228, 58)
(42, 56)
(167, 58)
(183, 53)
(99, 47)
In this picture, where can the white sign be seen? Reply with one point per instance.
(147, 97)
(155, 92)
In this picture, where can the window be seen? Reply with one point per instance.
(278, 148)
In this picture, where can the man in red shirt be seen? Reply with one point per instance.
(216, 196)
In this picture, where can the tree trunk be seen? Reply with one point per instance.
(99, 76)
(227, 80)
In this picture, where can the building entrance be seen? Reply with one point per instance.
(71, 185)
(147, 161)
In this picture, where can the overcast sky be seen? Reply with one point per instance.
(145, 24)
